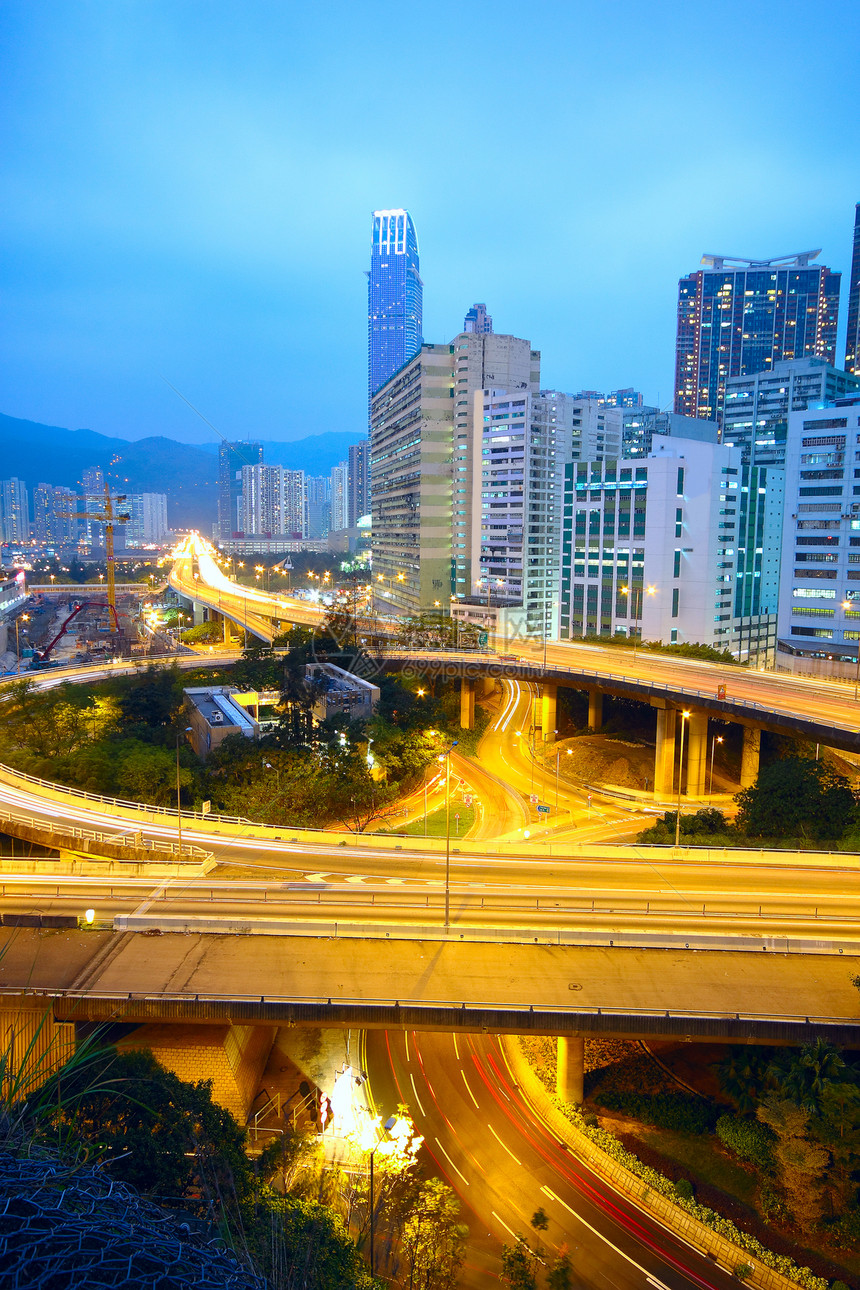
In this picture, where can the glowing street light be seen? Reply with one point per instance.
(685, 716)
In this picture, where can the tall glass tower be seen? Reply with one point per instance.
(736, 317)
(852, 342)
(394, 297)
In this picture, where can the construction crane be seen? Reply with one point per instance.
(107, 517)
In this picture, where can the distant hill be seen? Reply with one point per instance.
(187, 473)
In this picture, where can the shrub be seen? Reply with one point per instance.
(684, 1189)
(664, 1110)
(749, 1139)
(742, 1270)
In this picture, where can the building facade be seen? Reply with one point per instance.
(478, 320)
(852, 340)
(232, 457)
(394, 297)
(147, 524)
(819, 604)
(318, 505)
(359, 481)
(340, 497)
(640, 425)
(14, 510)
(736, 317)
(680, 547)
(757, 407)
(53, 511)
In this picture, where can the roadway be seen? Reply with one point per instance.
(488, 1144)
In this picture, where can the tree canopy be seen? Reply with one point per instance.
(797, 797)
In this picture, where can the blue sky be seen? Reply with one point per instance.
(186, 188)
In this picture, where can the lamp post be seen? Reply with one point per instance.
(846, 605)
(446, 757)
(388, 1126)
(24, 618)
(685, 716)
(569, 753)
(178, 803)
(717, 739)
(634, 599)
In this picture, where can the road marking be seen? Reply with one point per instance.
(468, 1090)
(316, 877)
(406, 1042)
(357, 877)
(451, 1162)
(398, 882)
(456, 1049)
(144, 906)
(417, 1098)
(646, 1274)
(505, 1145)
(514, 1234)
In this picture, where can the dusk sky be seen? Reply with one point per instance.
(186, 189)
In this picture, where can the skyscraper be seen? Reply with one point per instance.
(852, 341)
(231, 458)
(394, 294)
(478, 321)
(53, 509)
(359, 481)
(736, 317)
(14, 510)
(340, 496)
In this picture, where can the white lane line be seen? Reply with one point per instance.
(417, 1098)
(646, 1274)
(514, 1234)
(456, 1049)
(450, 1161)
(406, 1042)
(468, 1090)
(505, 1145)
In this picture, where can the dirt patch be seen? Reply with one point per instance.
(598, 759)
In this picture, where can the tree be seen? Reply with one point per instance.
(560, 1274)
(743, 1075)
(518, 1265)
(796, 797)
(151, 698)
(809, 1074)
(800, 1160)
(433, 1242)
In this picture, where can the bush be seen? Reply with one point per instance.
(749, 1139)
(684, 1189)
(664, 1110)
(742, 1270)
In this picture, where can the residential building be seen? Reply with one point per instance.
(625, 398)
(359, 481)
(737, 316)
(640, 424)
(14, 510)
(852, 340)
(340, 693)
(340, 497)
(232, 457)
(147, 523)
(294, 506)
(53, 511)
(680, 547)
(596, 428)
(318, 505)
(757, 407)
(478, 320)
(271, 502)
(394, 297)
(411, 440)
(819, 604)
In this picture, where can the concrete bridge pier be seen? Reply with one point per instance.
(198, 612)
(570, 1069)
(750, 754)
(549, 711)
(697, 754)
(664, 761)
(467, 704)
(216, 617)
(595, 709)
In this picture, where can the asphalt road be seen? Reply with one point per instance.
(484, 1139)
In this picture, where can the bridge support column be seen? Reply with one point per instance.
(664, 761)
(697, 757)
(467, 704)
(549, 711)
(750, 757)
(570, 1069)
(198, 613)
(595, 709)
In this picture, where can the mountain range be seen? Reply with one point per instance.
(187, 473)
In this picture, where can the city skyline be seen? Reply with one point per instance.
(138, 125)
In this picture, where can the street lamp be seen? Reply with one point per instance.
(446, 757)
(685, 716)
(635, 605)
(717, 739)
(24, 618)
(569, 752)
(178, 803)
(846, 605)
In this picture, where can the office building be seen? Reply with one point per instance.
(318, 505)
(852, 340)
(819, 604)
(53, 509)
(411, 441)
(757, 407)
(232, 457)
(14, 510)
(640, 424)
(359, 481)
(737, 317)
(478, 320)
(626, 398)
(340, 497)
(394, 297)
(679, 547)
(147, 522)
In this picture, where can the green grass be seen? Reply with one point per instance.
(436, 823)
(700, 1154)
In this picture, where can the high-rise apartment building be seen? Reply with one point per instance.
(626, 398)
(14, 510)
(757, 407)
(294, 504)
(852, 340)
(93, 485)
(736, 317)
(359, 481)
(639, 425)
(53, 508)
(394, 297)
(318, 505)
(147, 522)
(680, 547)
(271, 502)
(232, 457)
(819, 603)
(597, 428)
(478, 320)
(340, 496)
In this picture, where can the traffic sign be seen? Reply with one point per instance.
(543, 810)
(533, 798)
